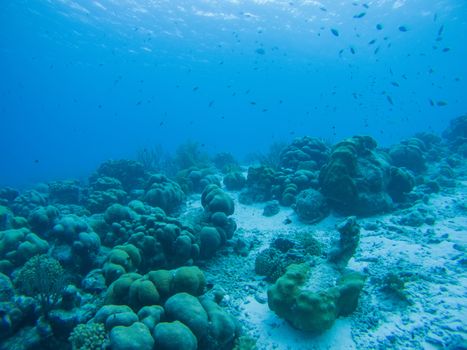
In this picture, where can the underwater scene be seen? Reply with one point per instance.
(233, 174)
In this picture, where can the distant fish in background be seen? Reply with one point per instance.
(446, 49)
(260, 51)
(211, 103)
(389, 98)
(441, 103)
(403, 29)
(432, 103)
(334, 32)
(196, 88)
(372, 42)
(360, 15)
(441, 30)
(352, 50)
(395, 83)
(379, 26)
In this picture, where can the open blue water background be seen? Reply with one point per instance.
(85, 81)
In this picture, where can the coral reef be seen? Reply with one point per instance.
(313, 311)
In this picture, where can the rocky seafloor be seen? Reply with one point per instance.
(315, 246)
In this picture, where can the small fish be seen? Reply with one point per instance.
(352, 50)
(360, 15)
(36, 161)
(377, 50)
(432, 103)
(264, 110)
(441, 103)
(211, 103)
(395, 83)
(253, 103)
(366, 6)
(446, 49)
(260, 51)
(379, 26)
(440, 30)
(403, 29)
(334, 32)
(435, 17)
(196, 88)
(390, 100)
(439, 38)
(372, 42)
(322, 8)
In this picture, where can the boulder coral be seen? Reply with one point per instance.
(309, 150)
(163, 193)
(153, 288)
(17, 246)
(355, 178)
(311, 206)
(410, 154)
(313, 311)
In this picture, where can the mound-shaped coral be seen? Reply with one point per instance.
(409, 154)
(153, 288)
(311, 151)
(215, 200)
(313, 311)
(311, 206)
(355, 178)
(163, 193)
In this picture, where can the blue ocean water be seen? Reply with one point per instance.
(85, 81)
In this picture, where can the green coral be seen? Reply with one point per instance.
(42, 277)
(90, 336)
(245, 342)
(16, 246)
(174, 336)
(313, 311)
(122, 259)
(214, 199)
(155, 287)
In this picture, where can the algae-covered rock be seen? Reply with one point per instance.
(349, 237)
